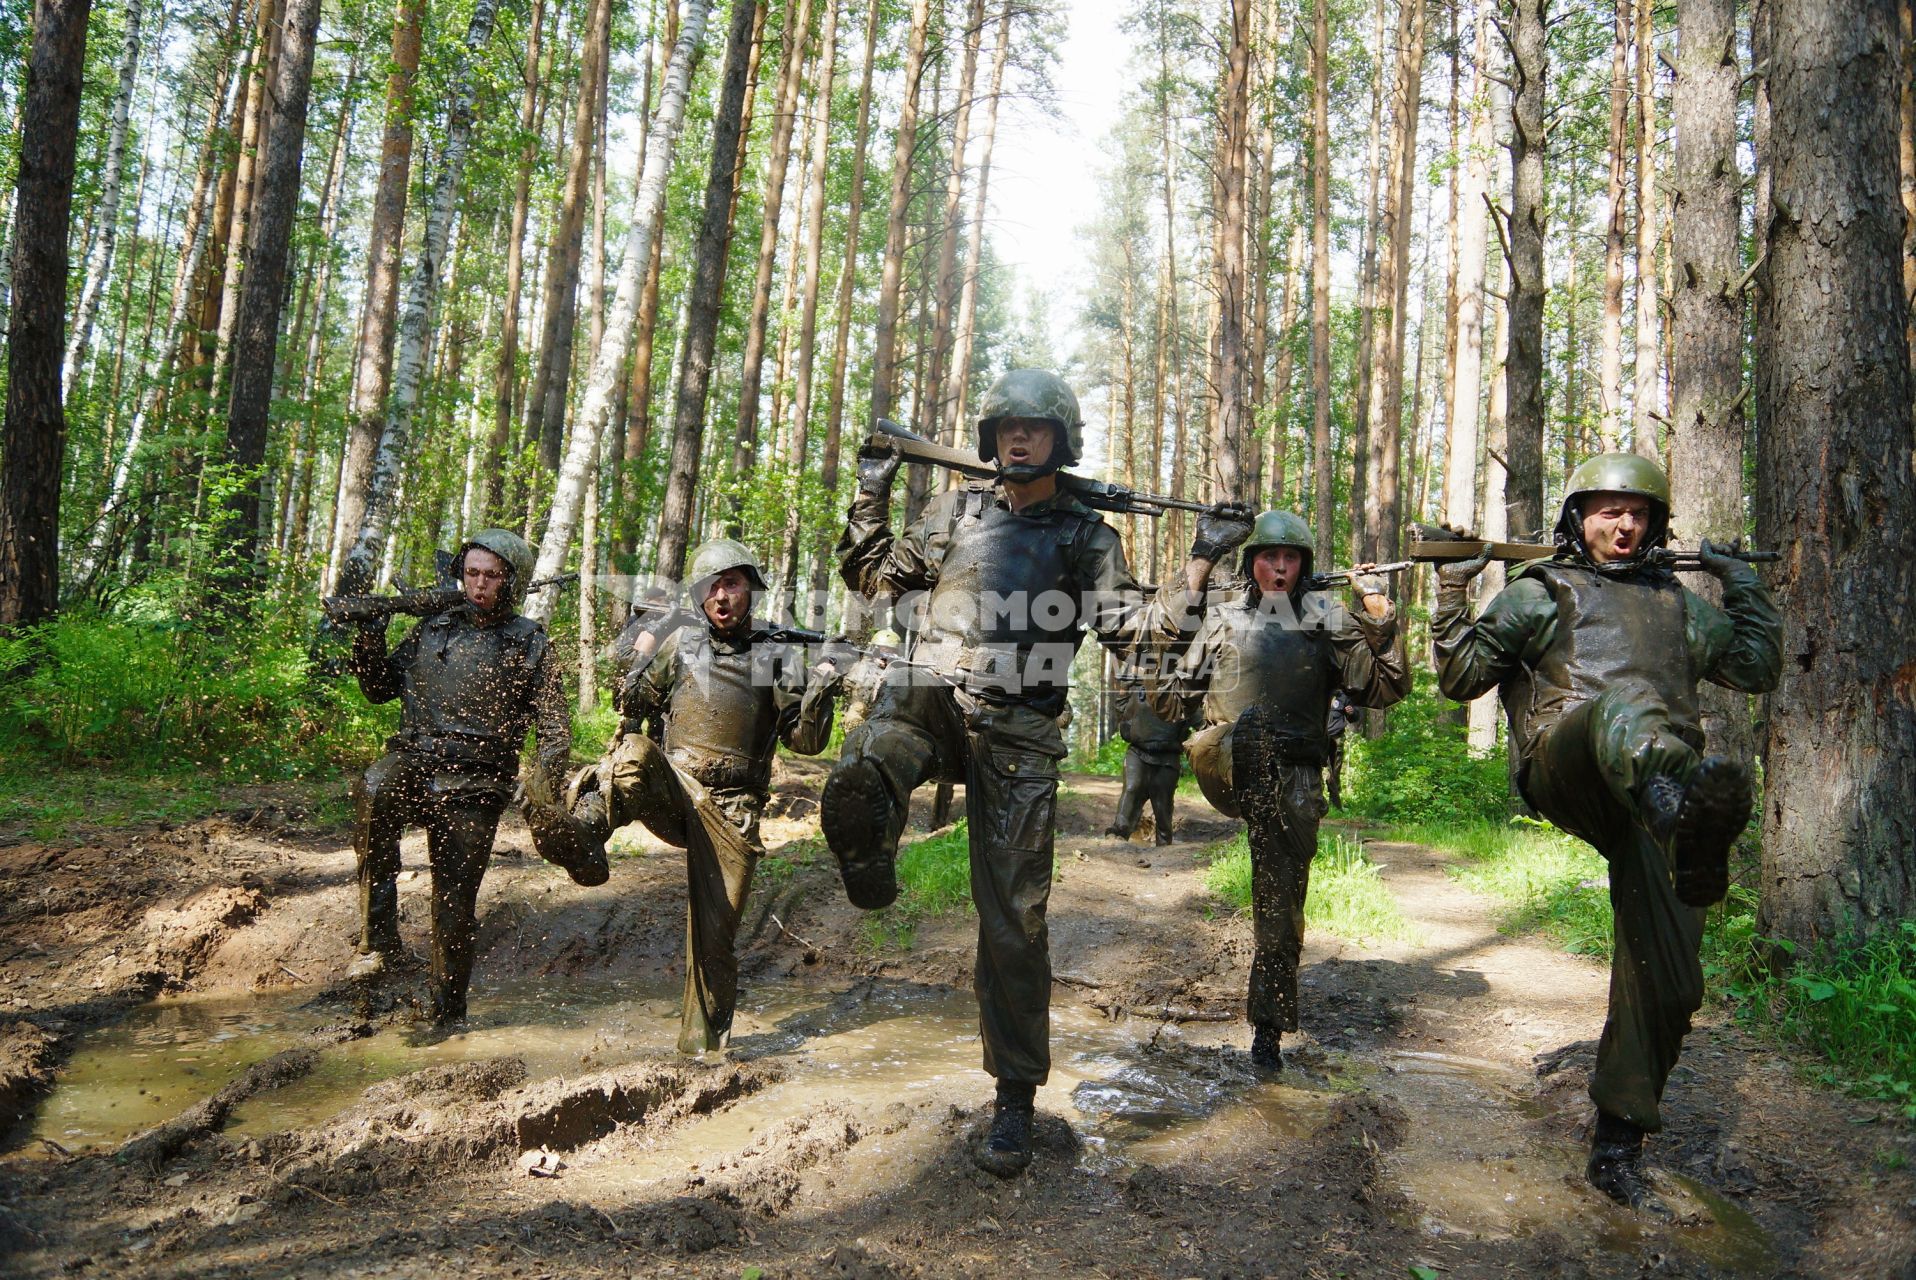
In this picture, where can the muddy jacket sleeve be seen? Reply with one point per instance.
(1473, 657)
(1176, 689)
(1371, 666)
(805, 702)
(1149, 630)
(1739, 646)
(874, 562)
(381, 675)
(647, 687)
(551, 724)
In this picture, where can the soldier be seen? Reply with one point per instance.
(1154, 748)
(1596, 654)
(1265, 668)
(1010, 574)
(470, 682)
(726, 698)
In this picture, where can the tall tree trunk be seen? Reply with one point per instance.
(1523, 366)
(1834, 372)
(1384, 517)
(373, 355)
(34, 444)
(1706, 376)
(1464, 380)
(703, 299)
(99, 255)
(635, 400)
(751, 374)
(258, 119)
(1610, 370)
(1906, 152)
(945, 284)
(1286, 358)
(1487, 711)
(1644, 405)
(1321, 511)
(1232, 374)
(958, 371)
(422, 293)
(505, 372)
(1172, 336)
(1364, 371)
(892, 272)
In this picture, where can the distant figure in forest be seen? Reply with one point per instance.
(1596, 654)
(1011, 572)
(1337, 727)
(1154, 750)
(470, 682)
(725, 698)
(1263, 671)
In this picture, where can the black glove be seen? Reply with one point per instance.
(1720, 565)
(876, 469)
(1458, 573)
(1221, 528)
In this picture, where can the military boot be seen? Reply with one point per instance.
(1696, 823)
(379, 927)
(1006, 1149)
(1616, 1166)
(855, 813)
(572, 835)
(1265, 1054)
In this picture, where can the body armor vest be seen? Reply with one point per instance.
(1007, 608)
(1289, 670)
(722, 723)
(1630, 630)
(468, 695)
(1148, 731)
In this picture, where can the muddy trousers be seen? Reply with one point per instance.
(719, 832)
(1583, 774)
(1150, 779)
(1007, 756)
(460, 813)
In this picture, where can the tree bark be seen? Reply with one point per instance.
(892, 272)
(945, 284)
(1834, 372)
(1387, 415)
(1610, 371)
(1363, 371)
(373, 355)
(36, 426)
(1321, 514)
(257, 120)
(708, 262)
(1644, 401)
(1465, 377)
(506, 371)
(99, 255)
(1523, 366)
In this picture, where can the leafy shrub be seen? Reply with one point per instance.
(1420, 769)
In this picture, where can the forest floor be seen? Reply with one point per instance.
(263, 1117)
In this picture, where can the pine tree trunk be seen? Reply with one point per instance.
(708, 264)
(246, 191)
(1833, 365)
(1383, 516)
(99, 255)
(422, 291)
(1364, 371)
(958, 371)
(1465, 378)
(1610, 371)
(1645, 435)
(944, 284)
(1232, 374)
(1321, 460)
(1487, 711)
(1172, 337)
(505, 372)
(1523, 366)
(892, 271)
(1286, 358)
(34, 442)
(373, 355)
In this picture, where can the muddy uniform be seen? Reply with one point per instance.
(726, 704)
(1598, 671)
(1266, 676)
(468, 693)
(1154, 749)
(991, 578)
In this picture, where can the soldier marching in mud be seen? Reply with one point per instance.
(726, 698)
(1264, 670)
(1154, 746)
(994, 561)
(470, 682)
(1596, 654)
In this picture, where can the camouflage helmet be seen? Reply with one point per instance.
(1615, 473)
(1032, 393)
(714, 558)
(1278, 529)
(508, 546)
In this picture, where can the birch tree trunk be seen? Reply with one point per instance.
(422, 293)
(99, 256)
(372, 360)
(892, 271)
(34, 440)
(1834, 375)
(1523, 364)
(603, 381)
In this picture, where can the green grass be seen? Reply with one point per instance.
(1852, 1008)
(48, 803)
(934, 876)
(1347, 897)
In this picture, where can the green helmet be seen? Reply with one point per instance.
(508, 546)
(1615, 473)
(1278, 529)
(714, 558)
(1032, 393)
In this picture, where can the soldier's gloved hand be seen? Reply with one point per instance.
(1720, 565)
(876, 469)
(1223, 527)
(1458, 573)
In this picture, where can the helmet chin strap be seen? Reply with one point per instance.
(1025, 472)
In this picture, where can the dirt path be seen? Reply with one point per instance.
(1431, 1114)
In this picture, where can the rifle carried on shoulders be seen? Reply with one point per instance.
(1431, 544)
(424, 602)
(1101, 495)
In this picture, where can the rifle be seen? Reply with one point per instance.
(888, 437)
(1319, 581)
(423, 602)
(646, 643)
(1450, 548)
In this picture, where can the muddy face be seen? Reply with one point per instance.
(728, 601)
(1276, 570)
(484, 580)
(1614, 525)
(1026, 442)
